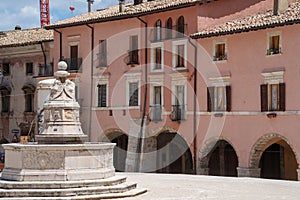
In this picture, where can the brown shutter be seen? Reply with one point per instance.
(228, 98)
(282, 96)
(264, 97)
(210, 99)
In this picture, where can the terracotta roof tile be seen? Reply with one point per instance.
(254, 22)
(113, 12)
(24, 37)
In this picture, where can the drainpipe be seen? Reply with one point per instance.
(92, 73)
(60, 44)
(195, 107)
(141, 135)
(44, 54)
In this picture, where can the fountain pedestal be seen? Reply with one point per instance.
(61, 163)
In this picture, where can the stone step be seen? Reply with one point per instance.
(130, 193)
(67, 192)
(115, 180)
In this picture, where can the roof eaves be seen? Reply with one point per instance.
(236, 31)
(25, 43)
(119, 17)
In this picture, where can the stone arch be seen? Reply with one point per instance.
(110, 134)
(262, 144)
(207, 149)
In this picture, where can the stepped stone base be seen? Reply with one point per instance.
(114, 187)
(248, 172)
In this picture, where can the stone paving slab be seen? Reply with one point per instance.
(190, 187)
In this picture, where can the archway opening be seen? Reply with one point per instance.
(278, 161)
(120, 151)
(173, 154)
(223, 160)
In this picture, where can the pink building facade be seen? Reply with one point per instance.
(189, 86)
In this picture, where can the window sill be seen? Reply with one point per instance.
(220, 61)
(273, 55)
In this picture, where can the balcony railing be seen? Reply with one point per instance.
(274, 51)
(178, 112)
(74, 64)
(45, 70)
(156, 112)
(133, 57)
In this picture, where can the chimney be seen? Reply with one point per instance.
(280, 6)
(90, 2)
(121, 5)
(18, 27)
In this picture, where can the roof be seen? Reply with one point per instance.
(24, 37)
(112, 13)
(254, 22)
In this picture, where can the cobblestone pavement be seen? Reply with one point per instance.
(190, 187)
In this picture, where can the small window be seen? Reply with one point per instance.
(29, 100)
(219, 99)
(5, 98)
(180, 27)
(158, 30)
(220, 52)
(169, 27)
(133, 94)
(29, 68)
(274, 45)
(102, 95)
(102, 53)
(273, 97)
(133, 51)
(158, 58)
(6, 69)
(180, 56)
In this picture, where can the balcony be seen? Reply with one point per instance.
(74, 64)
(156, 112)
(178, 113)
(220, 57)
(45, 71)
(133, 57)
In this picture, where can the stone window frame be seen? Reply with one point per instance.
(214, 53)
(270, 51)
(153, 56)
(175, 45)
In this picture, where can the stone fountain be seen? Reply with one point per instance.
(61, 164)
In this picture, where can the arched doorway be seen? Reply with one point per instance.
(173, 154)
(120, 150)
(278, 161)
(221, 159)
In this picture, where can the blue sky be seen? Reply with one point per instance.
(26, 13)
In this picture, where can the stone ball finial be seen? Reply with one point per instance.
(62, 65)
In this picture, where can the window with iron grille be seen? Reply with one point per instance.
(102, 95)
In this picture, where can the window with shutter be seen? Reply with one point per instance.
(158, 58)
(180, 56)
(102, 53)
(282, 96)
(210, 98)
(219, 99)
(264, 97)
(134, 51)
(102, 95)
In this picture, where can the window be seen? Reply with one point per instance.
(180, 54)
(180, 27)
(29, 68)
(133, 52)
(156, 108)
(157, 56)
(169, 27)
(178, 111)
(102, 53)
(272, 97)
(274, 43)
(5, 98)
(220, 51)
(133, 94)
(29, 99)
(74, 62)
(219, 99)
(6, 69)
(158, 30)
(102, 95)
